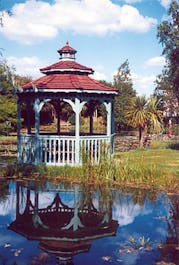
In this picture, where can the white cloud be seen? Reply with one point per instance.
(26, 66)
(132, 1)
(144, 85)
(34, 20)
(165, 3)
(98, 74)
(126, 213)
(29, 66)
(156, 61)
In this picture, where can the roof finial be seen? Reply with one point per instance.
(67, 43)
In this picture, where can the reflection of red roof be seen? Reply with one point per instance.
(67, 82)
(66, 66)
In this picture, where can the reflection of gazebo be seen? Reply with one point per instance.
(62, 230)
(69, 82)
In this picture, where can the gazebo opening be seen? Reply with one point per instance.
(77, 109)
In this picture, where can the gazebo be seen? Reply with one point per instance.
(65, 81)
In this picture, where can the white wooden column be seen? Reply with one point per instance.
(108, 106)
(112, 128)
(37, 125)
(77, 108)
(37, 108)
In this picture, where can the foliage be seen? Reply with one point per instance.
(168, 35)
(123, 82)
(144, 114)
(8, 108)
(6, 79)
(8, 104)
(139, 242)
(155, 115)
(7, 100)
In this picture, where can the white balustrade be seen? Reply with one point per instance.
(61, 150)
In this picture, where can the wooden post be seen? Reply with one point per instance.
(28, 118)
(58, 119)
(19, 158)
(77, 108)
(112, 128)
(37, 125)
(108, 106)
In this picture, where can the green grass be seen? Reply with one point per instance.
(156, 167)
(163, 159)
(7, 139)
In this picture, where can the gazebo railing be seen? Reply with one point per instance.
(61, 150)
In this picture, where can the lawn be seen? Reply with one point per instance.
(164, 159)
(156, 167)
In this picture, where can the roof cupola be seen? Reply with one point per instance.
(67, 52)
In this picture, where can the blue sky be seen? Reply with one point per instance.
(104, 32)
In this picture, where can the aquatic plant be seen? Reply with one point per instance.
(140, 242)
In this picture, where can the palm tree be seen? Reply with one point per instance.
(155, 115)
(144, 114)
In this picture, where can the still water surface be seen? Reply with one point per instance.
(47, 223)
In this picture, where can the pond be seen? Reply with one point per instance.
(61, 223)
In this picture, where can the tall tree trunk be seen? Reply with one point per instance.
(141, 136)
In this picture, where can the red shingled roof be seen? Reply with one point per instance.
(67, 75)
(67, 66)
(67, 48)
(68, 82)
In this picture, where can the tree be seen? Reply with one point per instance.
(8, 109)
(155, 115)
(168, 35)
(9, 83)
(123, 82)
(144, 114)
(6, 79)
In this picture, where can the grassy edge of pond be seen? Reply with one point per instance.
(156, 167)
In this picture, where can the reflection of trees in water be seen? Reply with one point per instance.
(7, 195)
(129, 201)
(97, 198)
(136, 195)
(4, 191)
(170, 248)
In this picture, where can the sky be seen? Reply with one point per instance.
(105, 33)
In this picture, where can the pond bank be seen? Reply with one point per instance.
(156, 167)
